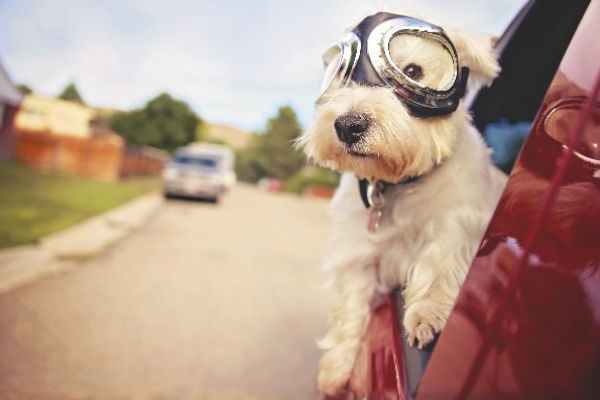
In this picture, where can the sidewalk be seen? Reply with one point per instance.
(63, 250)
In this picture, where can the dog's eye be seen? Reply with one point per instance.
(413, 71)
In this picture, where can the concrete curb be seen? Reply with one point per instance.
(61, 251)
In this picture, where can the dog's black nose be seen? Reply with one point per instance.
(351, 128)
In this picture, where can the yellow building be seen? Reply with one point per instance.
(56, 116)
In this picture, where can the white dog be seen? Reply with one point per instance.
(390, 113)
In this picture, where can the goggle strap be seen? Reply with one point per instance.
(464, 77)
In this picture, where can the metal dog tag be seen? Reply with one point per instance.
(375, 196)
(374, 218)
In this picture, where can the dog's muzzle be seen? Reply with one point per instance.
(363, 56)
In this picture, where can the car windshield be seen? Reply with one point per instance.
(201, 161)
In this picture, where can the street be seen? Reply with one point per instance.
(203, 302)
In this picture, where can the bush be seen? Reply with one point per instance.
(311, 176)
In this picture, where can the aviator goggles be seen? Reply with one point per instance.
(364, 56)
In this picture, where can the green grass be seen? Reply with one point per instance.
(34, 204)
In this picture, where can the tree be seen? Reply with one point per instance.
(272, 153)
(164, 123)
(24, 89)
(70, 93)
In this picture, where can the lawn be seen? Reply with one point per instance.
(34, 204)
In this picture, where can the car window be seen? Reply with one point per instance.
(209, 162)
(530, 51)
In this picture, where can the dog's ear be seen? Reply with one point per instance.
(476, 52)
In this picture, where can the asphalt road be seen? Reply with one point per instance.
(204, 302)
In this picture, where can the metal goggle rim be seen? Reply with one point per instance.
(349, 49)
(379, 53)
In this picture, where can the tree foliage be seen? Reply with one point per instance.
(272, 153)
(164, 123)
(24, 89)
(70, 93)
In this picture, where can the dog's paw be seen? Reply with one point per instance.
(334, 372)
(422, 320)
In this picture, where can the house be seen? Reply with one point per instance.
(10, 99)
(70, 138)
(56, 116)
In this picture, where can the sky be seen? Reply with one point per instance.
(235, 62)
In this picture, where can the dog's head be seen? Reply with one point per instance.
(393, 125)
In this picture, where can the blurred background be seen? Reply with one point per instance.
(159, 234)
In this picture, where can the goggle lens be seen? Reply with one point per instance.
(332, 60)
(431, 67)
(340, 61)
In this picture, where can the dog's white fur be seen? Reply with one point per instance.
(430, 228)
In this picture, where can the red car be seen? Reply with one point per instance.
(527, 321)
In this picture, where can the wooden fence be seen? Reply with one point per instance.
(104, 157)
(142, 160)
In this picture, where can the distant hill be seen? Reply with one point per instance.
(233, 137)
(105, 112)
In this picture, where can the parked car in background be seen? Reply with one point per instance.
(272, 185)
(199, 170)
